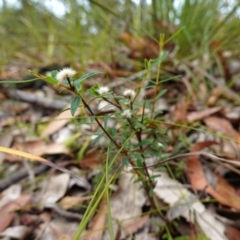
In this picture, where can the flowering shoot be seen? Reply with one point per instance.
(129, 93)
(102, 90)
(65, 73)
(127, 113)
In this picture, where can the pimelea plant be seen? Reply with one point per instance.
(136, 135)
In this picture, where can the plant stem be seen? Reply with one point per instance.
(99, 123)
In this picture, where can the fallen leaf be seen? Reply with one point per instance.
(56, 188)
(215, 94)
(232, 233)
(58, 122)
(10, 194)
(93, 159)
(16, 232)
(69, 202)
(96, 227)
(40, 147)
(198, 115)
(141, 47)
(173, 192)
(221, 125)
(56, 229)
(220, 189)
(135, 225)
(39, 159)
(7, 211)
(180, 111)
(132, 196)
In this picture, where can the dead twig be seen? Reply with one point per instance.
(32, 98)
(66, 214)
(8, 181)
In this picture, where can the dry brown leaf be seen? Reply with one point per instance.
(223, 192)
(216, 92)
(58, 122)
(56, 228)
(135, 225)
(39, 148)
(221, 125)
(60, 234)
(232, 233)
(180, 111)
(7, 211)
(141, 47)
(93, 159)
(69, 202)
(56, 188)
(198, 115)
(96, 227)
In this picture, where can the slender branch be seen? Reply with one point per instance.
(99, 123)
(114, 104)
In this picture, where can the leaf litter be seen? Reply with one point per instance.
(54, 202)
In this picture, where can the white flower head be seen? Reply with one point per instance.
(127, 113)
(129, 93)
(65, 73)
(101, 90)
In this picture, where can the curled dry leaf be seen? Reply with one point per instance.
(221, 189)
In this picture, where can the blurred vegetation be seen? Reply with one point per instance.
(90, 30)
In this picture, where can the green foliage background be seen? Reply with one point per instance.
(90, 29)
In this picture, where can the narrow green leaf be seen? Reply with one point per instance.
(54, 73)
(96, 140)
(158, 60)
(75, 104)
(19, 81)
(105, 120)
(92, 119)
(161, 93)
(51, 80)
(78, 86)
(86, 76)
